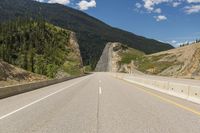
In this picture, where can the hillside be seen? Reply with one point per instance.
(11, 75)
(92, 34)
(117, 57)
(183, 62)
(40, 47)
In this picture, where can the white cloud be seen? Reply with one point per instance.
(64, 2)
(154, 6)
(149, 4)
(193, 1)
(85, 5)
(176, 4)
(173, 41)
(40, 0)
(158, 10)
(160, 18)
(138, 5)
(192, 9)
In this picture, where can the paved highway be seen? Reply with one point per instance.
(98, 103)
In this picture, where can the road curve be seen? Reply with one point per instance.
(97, 103)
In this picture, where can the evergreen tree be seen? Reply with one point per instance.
(34, 45)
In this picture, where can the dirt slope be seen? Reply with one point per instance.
(11, 75)
(184, 61)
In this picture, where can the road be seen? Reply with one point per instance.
(98, 103)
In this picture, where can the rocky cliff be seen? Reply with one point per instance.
(111, 57)
(105, 62)
(73, 43)
(73, 65)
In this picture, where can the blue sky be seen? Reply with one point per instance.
(172, 21)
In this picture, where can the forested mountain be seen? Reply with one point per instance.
(38, 47)
(92, 33)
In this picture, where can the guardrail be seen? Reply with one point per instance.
(18, 89)
(185, 91)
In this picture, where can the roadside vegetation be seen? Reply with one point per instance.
(38, 47)
(144, 63)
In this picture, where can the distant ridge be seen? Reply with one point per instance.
(92, 33)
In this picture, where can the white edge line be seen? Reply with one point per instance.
(34, 102)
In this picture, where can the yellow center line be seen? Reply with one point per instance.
(171, 101)
(167, 100)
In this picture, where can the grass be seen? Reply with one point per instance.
(87, 69)
(72, 68)
(129, 55)
(143, 62)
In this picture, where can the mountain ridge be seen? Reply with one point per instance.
(92, 33)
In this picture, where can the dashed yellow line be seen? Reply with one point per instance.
(167, 100)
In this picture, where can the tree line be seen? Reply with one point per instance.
(34, 45)
(187, 43)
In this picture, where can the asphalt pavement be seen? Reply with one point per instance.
(98, 103)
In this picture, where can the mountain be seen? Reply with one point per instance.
(40, 47)
(92, 34)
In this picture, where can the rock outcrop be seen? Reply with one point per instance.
(104, 64)
(109, 61)
(74, 63)
(73, 43)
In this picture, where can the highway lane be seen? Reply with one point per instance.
(98, 103)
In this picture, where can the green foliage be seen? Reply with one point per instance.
(143, 62)
(87, 69)
(72, 68)
(52, 70)
(40, 65)
(129, 55)
(34, 45)
(92, 33)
